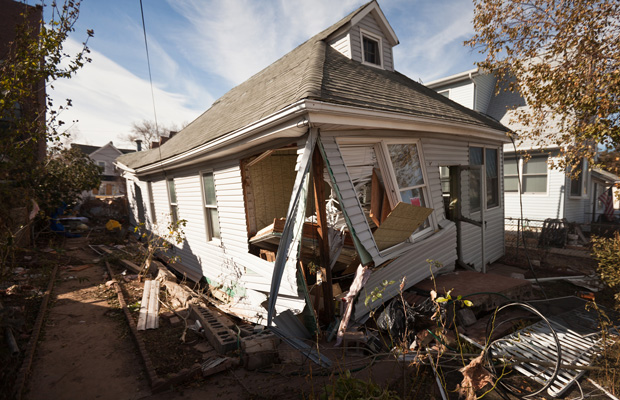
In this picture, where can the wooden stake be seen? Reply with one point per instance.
(321, 219)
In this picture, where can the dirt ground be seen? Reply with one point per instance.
(86, 351)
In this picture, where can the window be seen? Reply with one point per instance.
(445, 93)
(492, 170)
(172, 198)
(487, 158)
(101, 164)
(371, 49)
(535, 174)
(511, 174)
(576, 183)
(149, 187)
(387, 170)
(210, 206)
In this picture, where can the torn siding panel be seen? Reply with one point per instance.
(352, 209)
(285, 266)
(440, 247)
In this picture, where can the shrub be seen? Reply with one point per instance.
(606, 251)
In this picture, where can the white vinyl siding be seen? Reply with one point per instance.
(483, 91)
(369, 24)
(461, 92)
(342, 44)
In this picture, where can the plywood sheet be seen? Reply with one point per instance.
(400, 224)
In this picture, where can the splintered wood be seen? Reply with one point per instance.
(149, 309)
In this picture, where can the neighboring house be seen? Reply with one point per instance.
(112, 184)
(335, 109)
(547, 192)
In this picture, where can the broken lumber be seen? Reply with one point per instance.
(149, 308)
(131, 266)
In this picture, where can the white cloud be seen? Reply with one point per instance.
(434, 46)
(107, 98)
(237, 38)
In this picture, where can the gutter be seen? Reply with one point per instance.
(357, 116)
(244, 133)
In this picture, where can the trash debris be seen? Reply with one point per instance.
(112, 225)
(149, 307)
(475, 377)
(12, 290)
(398, 319)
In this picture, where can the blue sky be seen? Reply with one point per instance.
(202, 48)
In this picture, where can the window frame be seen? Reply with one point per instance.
(370, 36)
(521, 174)
(209, 223)
(390, 180)
(149, 189)
(174, 206)
(445, 93)
(483, 166)
(582, 182)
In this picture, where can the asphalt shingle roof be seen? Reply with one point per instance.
(315, 71)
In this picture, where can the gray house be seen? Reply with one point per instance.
(325, 160)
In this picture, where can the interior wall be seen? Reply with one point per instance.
(272, 181)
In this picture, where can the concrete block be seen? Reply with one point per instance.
(466, 317)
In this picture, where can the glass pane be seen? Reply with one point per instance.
(491, 163)
(208, 185)
(474, 190)
(415, 197)
(475, 156)
(406, 165)
(492, 192)
(172, 192)
(215, 223)
(492, 178)
(510, 166)
(536, 165)
(511, 184)
(535, 184)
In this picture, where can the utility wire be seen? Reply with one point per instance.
(148, 61)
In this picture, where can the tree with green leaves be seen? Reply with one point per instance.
(68, 173)
(563, 57)
(31, 63)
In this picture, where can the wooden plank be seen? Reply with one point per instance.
(400, 224)
(144, 306)
(322, 230)
(377, 195)
(152, 317)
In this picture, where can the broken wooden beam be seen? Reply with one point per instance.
(149, 308)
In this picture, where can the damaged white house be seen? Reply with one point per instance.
(325, 160)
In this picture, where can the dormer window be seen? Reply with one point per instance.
(371, 46)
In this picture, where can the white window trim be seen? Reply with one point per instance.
(379, 41)
(174, 216)
(207, 217)
(441, 92)
(149, 188)
(500, 184)
(393, 189)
